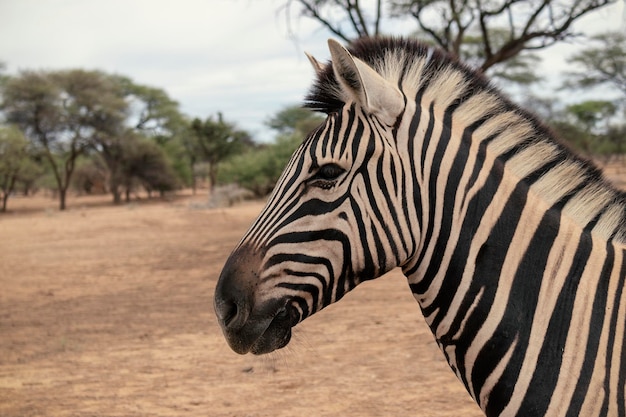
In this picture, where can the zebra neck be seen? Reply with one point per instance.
(501, 264)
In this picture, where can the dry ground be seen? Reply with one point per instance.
(107, 311)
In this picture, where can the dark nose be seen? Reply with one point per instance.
(232, 301)
(234, 293)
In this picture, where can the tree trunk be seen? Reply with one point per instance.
(62, 197)
(193, 177)
(8, 189)
(117, 196)
(212, 178)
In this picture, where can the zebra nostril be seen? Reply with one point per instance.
(229, 313)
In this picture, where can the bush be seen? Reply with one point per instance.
(258, 170)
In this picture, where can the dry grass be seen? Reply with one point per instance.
(107, 311)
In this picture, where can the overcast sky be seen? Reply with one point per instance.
(233, 56)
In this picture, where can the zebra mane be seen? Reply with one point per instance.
(526, 145)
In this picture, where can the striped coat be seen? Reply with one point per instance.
(514, 247)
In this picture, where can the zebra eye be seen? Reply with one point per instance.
(329, 172)
(326, 176)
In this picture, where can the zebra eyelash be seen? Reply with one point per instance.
(330, 172)
(326, 176)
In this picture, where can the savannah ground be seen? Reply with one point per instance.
(107, 311)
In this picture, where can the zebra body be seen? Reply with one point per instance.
(513, 246)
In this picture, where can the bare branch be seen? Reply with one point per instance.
(471, 28)
(379, 16)
(311, 9)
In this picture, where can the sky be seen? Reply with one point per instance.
(238, 57)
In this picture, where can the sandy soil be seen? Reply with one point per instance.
(107, 311)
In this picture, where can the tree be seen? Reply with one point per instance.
(153, 112)
(294, 119)
(258, 169)
(3, 77)
(528, 25)
(593, 118)
(216, 140)
(589, 113)
(62, 112)
(91, 175)
(13, 158)
(146, 162)
(113, 149)
(602, 64)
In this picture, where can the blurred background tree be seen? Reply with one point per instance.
(259, 167)
(61, 113)
(99, 132)
(14, 159)
(602, 63)
(215, 141)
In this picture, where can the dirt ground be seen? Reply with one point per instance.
(107, 311)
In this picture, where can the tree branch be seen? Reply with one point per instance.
(313, 13)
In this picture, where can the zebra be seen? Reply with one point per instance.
(513, 246)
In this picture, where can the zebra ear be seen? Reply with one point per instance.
(368, 88)
(317, 66)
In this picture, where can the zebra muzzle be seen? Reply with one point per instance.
(258, 332)
(248, 324)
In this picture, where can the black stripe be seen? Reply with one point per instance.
(475, 211)
(303, 259)
(517, 320)
(596, 324)
(368, 262)
(427, 135)
(385, 189)
(548, 369)
(351, 135)
(621, 380)
(412, 169)
(303, 287)
(614, 309)
(356, 139)
(451, 187)
(336, 129)
(489, 262)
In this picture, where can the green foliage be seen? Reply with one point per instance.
(294, 119)
(587, 126)
(90, 175)
(147, 163)
(604, 63)
(153, 112)
(215, 141)
(68, 115)
(13, 158)
(608, 142)
(589, 113)
(176, 153)
(259, 169)
(62, 113)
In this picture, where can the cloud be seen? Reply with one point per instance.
(209, 55)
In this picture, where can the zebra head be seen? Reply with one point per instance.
(335, 218)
